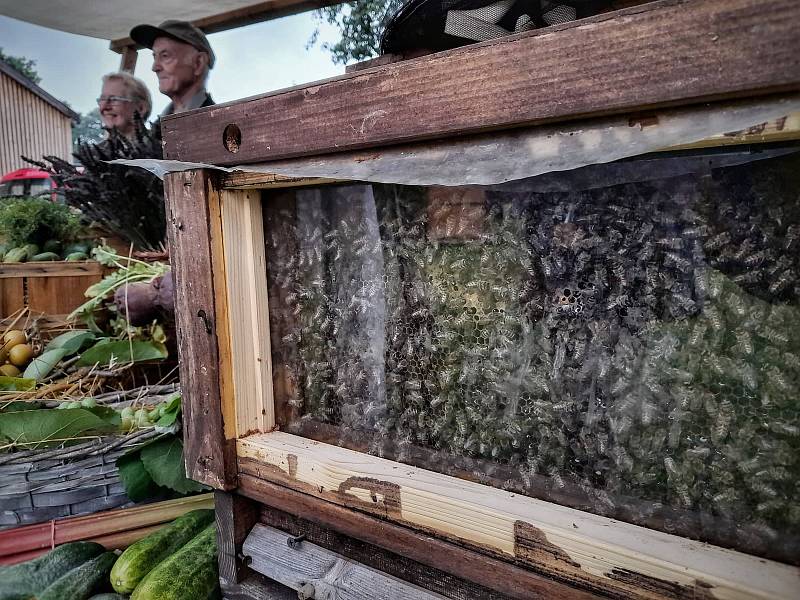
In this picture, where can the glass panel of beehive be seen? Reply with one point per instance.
(624, 340)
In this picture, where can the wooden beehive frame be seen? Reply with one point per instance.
(218, 254)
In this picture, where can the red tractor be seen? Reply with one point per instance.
(28, 182)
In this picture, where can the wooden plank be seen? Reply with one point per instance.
(12, 296)
(51, 269)
(241, 180)
(487, 571)
(320, 573)
(58, 295)
(32, 540)
(210, 456)
(236, 516)
(248, 310)
(560, 540)
(659, 54)
(254, 13)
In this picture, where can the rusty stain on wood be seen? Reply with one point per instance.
(531, 544)
(664, 589)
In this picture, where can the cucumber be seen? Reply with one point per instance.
(52, 246)
(77, 247)
(16, 255)
(76, 256)
(45, 256)
(32, 249)
(108, 596)
(26, 579)
(81, 582)
(143, 556)
(189, 574)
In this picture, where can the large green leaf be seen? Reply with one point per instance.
(19, 406)
(52, 426)
(71, 341)
(170, 412)
(137, 481)
(16, 384)
(122, 352)
(163, 460)
(41, 366)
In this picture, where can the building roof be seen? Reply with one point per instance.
(7, 69)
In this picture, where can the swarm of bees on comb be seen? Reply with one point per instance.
(638, 341)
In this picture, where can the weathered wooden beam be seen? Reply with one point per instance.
(128, 60)
(660, 54)
(193, 229)
(319, 573)
(254, 13)
(562, 542)
(470, 565)
(236, 515)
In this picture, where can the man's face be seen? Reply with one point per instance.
(116, 107)
(177, 65)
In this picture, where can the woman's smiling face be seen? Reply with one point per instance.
(117, 113)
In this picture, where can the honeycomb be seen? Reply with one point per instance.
(638, 341)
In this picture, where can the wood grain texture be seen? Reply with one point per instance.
(331, 575)
(415, 572)
(236, 516)
(12, 295)
(257, 587)
(241, 180)
(87, 268)
(455, 559)
(57, 295)
(248, 310)
(561, 541)
(210, 456)
(659, 54)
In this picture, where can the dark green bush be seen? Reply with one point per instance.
(36, 220)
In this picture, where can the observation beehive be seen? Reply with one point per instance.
(552, 352)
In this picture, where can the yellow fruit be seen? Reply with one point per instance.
(14, 337)
(20, 355)
(10, 371)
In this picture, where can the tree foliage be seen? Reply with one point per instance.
(360, 25)
(25, 66)
(88, 129)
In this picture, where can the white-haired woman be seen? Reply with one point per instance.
(122, 96)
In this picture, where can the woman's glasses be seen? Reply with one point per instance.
(113, 99)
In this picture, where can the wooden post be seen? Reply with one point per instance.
(236, 516)
(128, 61)
(194, 230)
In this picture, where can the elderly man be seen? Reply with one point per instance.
(182, 58)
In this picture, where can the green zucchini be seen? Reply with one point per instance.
(45, 256)
(76, 256)
(143, 556)
(77, 247)
(16, 255)
(32, 249)
(26, 579)
(81, 582)
(108, 596)
(189, 574)
(52, 246)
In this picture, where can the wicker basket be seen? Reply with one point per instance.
(41, 485)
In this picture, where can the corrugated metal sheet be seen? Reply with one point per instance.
(29, 125)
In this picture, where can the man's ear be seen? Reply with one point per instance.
(200, 63)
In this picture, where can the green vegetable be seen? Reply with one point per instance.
(27, 579)
(77, 247)
(46, 256)
(76, 256)
(189, 574)
(16, 255)
(3, 250)
(80, 583)
(143, 556)
(52, 246)
(107, 596)
(33, 249)
(35, 221)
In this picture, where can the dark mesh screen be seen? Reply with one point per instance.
(630, 348)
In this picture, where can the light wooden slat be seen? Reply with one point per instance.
(51, 269)
(248, 310)
(329, 574)
(575, 544)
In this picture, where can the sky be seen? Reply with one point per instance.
(250, 60)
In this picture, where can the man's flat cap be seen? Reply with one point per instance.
(182, 31)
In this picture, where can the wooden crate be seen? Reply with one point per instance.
(55, 288)
(434, 523)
